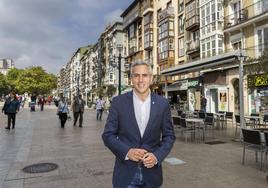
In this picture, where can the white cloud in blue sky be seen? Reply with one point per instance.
(47, 32)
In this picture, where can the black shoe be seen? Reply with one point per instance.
(7, 128)
(13, 127)
(74, 125)
(80, 126)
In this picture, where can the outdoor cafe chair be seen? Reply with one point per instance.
(266, 146)
(209, 121)
(252, 141)
(253, 120)
(229, 116)
(186, 129)
(265, 119)
(176, 122)
(210, 114)
(179, 112)
(237, 123)
(202, 115)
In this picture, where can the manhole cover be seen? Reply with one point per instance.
(215, 142)
(40, 168)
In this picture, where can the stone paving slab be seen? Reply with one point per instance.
(85, 162)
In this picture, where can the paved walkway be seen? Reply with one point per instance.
(85, 162)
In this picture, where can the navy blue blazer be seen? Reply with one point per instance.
(121, 133)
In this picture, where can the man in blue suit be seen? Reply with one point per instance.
(139, 132)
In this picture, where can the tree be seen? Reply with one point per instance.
(11, 78)
(35, 80)
(257, 65)
(110, 90)
(3, 85)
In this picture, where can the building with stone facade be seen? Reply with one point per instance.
(5, 65)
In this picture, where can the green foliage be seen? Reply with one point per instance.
(32, 80)
(11, 78)
(257, 65)
(100, 91)
(110, 90)
(3, 85)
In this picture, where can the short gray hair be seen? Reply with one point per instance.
(140, 62)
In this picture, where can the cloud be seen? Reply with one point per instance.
(46, 33)
(113, 16)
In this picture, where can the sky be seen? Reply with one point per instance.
(47, 32)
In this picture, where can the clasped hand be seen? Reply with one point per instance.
(148, 159)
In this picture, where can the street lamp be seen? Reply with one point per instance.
(87, 90)
(118, 66)
(77, 78)
(241, 58)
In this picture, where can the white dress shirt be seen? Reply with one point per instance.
(142, 111)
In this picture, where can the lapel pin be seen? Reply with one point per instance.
(153, 102)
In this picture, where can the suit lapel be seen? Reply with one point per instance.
(132, 113)
(153, 111)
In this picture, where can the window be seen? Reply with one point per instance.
(181, 6)
(148, 39)
(169, 4)
(262, 40)
(181, 47)
(131, 31)
(181, 24)
(237, 45)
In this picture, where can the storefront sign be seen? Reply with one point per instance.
(180, 85)
(260, 80)
(193, 83)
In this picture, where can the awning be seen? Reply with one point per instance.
(204, 63)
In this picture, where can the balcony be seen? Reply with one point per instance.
(192, 46)
(168, 12)
(132, 50)
(192, 23)
(132, 16)
(255, 12)
(148, 6)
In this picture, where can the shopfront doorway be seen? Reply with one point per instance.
(214, 100)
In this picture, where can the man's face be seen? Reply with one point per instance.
(141, 79)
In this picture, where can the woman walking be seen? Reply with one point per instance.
(11, 107)
(63, 110)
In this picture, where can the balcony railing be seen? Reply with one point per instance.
(192, 22)
(133, 15)
(168, 12)
(148, 5)
(192, 46)
(246, 13)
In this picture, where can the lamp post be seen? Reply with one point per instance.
(77, 78)
(87, 90)
(241, 89)
(118, 66)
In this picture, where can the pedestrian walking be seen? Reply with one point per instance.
(63, 110)
(99, 107)
(139, 132)
(78, 107)
(42, 102)
(33, 103)
(203, 103)
(10, 108)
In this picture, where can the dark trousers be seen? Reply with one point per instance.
(42, 107)
(63, 118)
(99, 114)
(80, 114)
(11, 117)
(137, 181)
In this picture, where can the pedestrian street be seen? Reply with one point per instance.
(83, 161)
